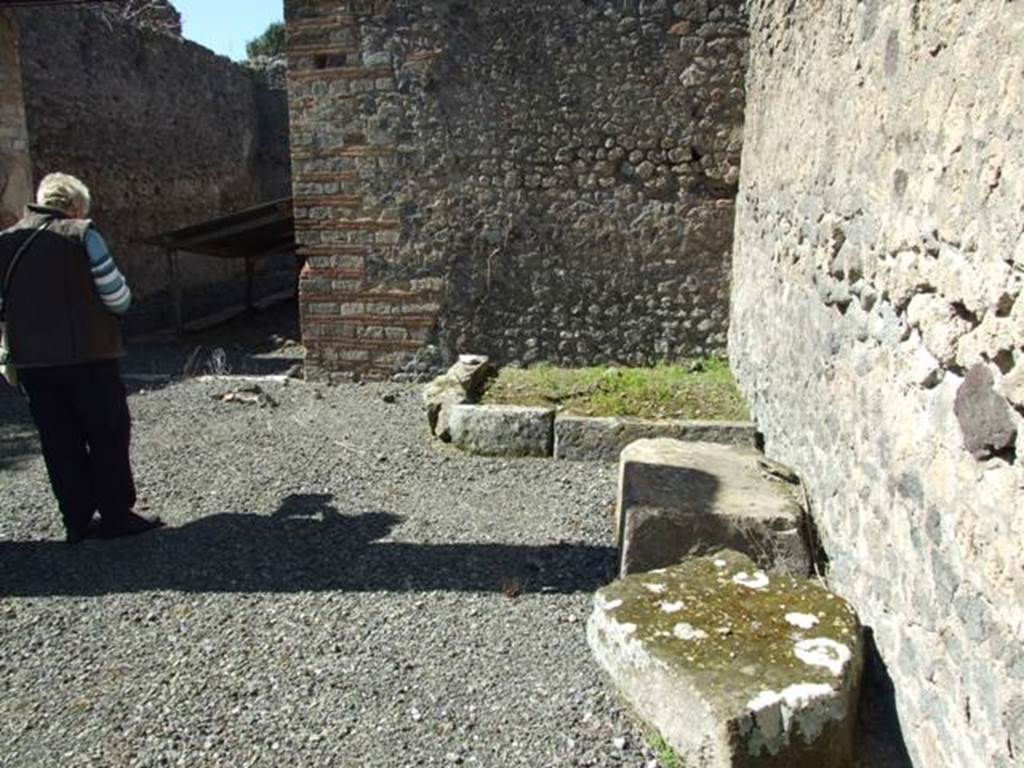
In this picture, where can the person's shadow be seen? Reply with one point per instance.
(307, 545)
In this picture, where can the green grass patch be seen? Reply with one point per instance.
(667, 757)
(693, 389)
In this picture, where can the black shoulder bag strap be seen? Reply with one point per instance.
(14, 263)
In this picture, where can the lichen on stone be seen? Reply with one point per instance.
(740, 628)
(755, 580)
(823, 652)
(802, 620)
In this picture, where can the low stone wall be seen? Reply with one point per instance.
(590, 438)
(163, 131)
(549, 180)
(878, 333)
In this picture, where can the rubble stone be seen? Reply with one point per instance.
(462, 383)
(985, 419)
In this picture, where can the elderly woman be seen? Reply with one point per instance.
(60, 295)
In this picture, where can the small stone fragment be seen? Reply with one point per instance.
(462, 383)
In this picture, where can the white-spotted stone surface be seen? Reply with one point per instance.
(728, 679)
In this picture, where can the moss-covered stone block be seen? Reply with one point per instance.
(734, 667)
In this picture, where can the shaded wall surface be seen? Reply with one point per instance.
(878, 329)
(535, 180)
(163, 131)
(15, 166)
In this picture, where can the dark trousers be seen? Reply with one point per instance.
(81, 412)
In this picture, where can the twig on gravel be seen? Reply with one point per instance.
(188, 368)
(269, 378)
(252, 395)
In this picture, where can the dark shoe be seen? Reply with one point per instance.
(130, 525)
(77, 535)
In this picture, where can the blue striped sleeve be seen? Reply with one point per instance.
(110, 283)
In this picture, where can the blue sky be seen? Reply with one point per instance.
(225, 26)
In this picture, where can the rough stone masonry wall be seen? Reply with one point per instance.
(15, 166)
(878, 330)
(542, 180)
(164, 132)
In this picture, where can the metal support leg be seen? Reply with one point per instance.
(250, 273)
(174, 270)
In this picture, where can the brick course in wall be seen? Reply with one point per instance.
(535, 181)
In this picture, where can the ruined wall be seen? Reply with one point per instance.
(163, 131)
(543, 180)
(878, 330)
(15, 166)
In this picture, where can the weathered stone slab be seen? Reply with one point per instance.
(679, 499)
(462, 383)
(595, 438)
(502, 430)
(735, 668)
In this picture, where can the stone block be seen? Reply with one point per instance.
(679, 499)
(502, 430)
(733, 667)
(602, 439)
(462, 383)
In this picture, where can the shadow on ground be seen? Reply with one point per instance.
(880, 736)
(18, 439)
(307, 545)
(257, 343)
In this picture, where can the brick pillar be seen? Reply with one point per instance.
(15, 163)
(350, 323)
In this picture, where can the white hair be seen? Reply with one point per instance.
(62, 191)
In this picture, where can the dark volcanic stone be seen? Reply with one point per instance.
(985, 418)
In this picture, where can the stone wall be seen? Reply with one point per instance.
(163, 131)
(878, 329)
(544, 180)
(15, 165)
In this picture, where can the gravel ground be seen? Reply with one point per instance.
(333, 589)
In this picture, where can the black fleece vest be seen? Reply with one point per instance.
(53, 313)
